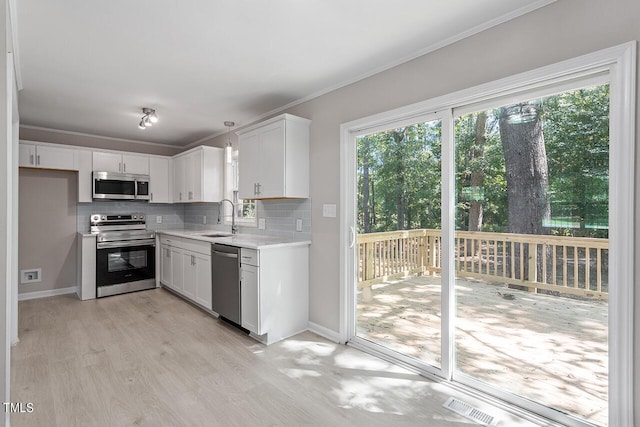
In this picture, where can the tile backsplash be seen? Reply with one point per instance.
(279, 215)
(172, 215)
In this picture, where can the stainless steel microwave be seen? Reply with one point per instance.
(120, 186)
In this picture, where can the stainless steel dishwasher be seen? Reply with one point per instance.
(225, 281)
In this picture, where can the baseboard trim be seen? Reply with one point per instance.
(324, 332)
(47, 293)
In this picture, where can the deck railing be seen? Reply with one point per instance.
(569, 265)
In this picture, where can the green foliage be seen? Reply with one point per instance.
(404, 164)
(404, 168)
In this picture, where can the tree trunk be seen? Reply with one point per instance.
(477, 173)
(366, 208)
(527, 177)
(527, 173)
(398, 139)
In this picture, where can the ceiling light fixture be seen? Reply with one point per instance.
(148, 119)
(228, 150)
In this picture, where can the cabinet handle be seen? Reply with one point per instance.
(255, 188)
(124, 167)
(190, 195)
(151, 197)
(180, 197)
(259, 191)
(30, 159)
(193, 260)
(38, 160)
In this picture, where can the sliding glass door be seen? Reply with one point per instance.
(487, 244)
(398, 232)
(531, 249)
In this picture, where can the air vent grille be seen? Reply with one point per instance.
(469, 412)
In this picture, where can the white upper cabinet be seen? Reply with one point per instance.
(120, 162)
(198, 175)
(47, 157)
(159, 180)
(274, 159)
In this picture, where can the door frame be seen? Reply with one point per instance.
(619, 62)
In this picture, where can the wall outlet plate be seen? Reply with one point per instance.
(31, 275)
(329, 210)
(262, 223)
(204, 219)
(158, 219)
(298, 224)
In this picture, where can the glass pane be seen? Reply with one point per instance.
(399, 287)
(531, 253)
(126, 260)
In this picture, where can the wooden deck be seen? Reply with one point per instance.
(546, 348)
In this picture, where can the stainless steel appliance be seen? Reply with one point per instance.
(225, 281)
(120, 186)
(125, 254)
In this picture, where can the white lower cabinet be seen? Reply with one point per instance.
(202, 274)
(249, 296)
(186, 268)
(274, 291)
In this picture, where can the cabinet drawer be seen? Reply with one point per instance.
(249, 257)
(186, 244)
(196, 246)
(170, 240)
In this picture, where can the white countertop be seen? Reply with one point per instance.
(251, 241)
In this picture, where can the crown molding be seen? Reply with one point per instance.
(431, 48)
(89, 135)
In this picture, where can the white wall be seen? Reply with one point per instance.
(563, 30)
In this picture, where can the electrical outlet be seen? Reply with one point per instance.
(204, 219)
(158, 219)
(262, 223)
(299, 224)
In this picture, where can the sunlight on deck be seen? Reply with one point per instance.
(546, 348)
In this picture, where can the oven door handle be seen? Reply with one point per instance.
(125, 244)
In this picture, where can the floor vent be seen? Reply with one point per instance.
(468, 411)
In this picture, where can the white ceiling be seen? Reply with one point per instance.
(90, 66)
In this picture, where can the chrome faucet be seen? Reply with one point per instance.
(234, 228)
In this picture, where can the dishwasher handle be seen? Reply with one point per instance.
(225, 254)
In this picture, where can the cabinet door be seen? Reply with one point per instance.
(56, 158)
(248, 163)
(27, 155)
(177, 269)
(158, 180)
(134, 163)
(203, 280)
(250, 298)
(165, 266)
(193, 173)
(107, 162)
(85, 181)
(272, 175)
(190, 274)
(178, 179)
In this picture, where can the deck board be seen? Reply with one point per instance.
(547, 348)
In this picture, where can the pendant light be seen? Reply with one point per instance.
(228, 150)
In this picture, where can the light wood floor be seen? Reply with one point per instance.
(149, 358)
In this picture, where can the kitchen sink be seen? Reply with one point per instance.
(216, 235)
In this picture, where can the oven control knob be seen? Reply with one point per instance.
(95, 217)
(104, 217)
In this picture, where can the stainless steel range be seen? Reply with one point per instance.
(125, 254)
